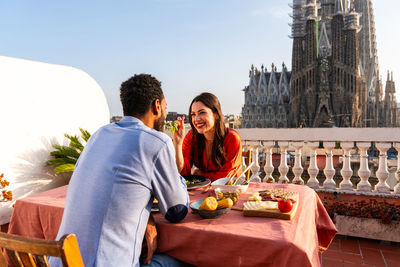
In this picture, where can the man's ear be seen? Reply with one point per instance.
(156, 107)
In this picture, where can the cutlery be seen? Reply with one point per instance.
(248, 168)
(236, 172)
(251, 178)
(206, 190)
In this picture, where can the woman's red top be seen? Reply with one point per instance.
(232, 162)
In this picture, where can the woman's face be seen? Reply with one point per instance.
(202, 118)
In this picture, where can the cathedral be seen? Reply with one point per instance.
(335, 78)
(267, 99)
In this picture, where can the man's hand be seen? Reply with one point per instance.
(150, 241)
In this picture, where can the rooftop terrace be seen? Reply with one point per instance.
(351, 251)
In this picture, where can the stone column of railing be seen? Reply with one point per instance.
(297, 168)
(329, 171)
(244, 149)
(364, 171)
(244, 165)
(283, 167)
(268, 167)
(381, 136)
(313, 169)
(397, 186)
(346, 170)
(382, 173)
(256, 166)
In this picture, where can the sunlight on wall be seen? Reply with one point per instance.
(39, 103)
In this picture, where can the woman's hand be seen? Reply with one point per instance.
(178, 142)
(196, 171)
(180, 132)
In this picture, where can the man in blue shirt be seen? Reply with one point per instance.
(122, 168)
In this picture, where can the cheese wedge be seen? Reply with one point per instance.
(260, 205)
(255, 197)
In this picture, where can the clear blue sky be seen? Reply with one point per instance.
(190, 45)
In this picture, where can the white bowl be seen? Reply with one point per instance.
(221, 184)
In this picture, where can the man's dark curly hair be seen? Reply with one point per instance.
(138, 94)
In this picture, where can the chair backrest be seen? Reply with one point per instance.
(26, 251)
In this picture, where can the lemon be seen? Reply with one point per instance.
(209, 203)
(225, 203)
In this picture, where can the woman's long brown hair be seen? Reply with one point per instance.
(220, 132)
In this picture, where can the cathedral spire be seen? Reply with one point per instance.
(351, 6)
(272, 84)
(324, 44)
(262, 82)
(252, 78)
(339, 6)
(298, 15)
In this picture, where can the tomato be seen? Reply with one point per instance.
(285, 205)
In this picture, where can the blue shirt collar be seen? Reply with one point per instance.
(129, 120)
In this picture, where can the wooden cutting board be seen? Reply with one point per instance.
(272, 213)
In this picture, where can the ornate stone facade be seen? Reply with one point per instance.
(335, 75)
(267, 98)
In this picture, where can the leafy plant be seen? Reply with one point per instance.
(65, 157)
(382, 210)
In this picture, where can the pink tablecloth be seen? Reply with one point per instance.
(235, 240)
(231, 240)
(39, 215)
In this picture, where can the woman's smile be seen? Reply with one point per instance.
(199, 125)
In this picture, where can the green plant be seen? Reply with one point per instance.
(65, 157)
(386, 212)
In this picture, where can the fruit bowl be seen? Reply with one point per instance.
(221, 183)
(207, 214)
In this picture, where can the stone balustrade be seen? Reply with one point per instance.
(353, 142)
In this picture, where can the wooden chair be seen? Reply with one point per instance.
(32, 252)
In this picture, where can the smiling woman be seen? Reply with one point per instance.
(214, 150)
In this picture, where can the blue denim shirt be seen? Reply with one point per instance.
(111, 192)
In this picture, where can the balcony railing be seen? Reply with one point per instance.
(308, 140)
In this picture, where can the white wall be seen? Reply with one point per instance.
(39, 102)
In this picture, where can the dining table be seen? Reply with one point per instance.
(229, 240)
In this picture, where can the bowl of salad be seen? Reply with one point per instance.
(196, 181)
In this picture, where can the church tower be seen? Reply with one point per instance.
(369, 62)
(326, 90)
(304, 63)
(335, 77)
(390, 112)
